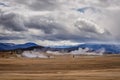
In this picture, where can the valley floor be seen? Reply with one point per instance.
(61, 68)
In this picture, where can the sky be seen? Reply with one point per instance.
(59, 22)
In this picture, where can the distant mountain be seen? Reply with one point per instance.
(11, 46)
(6, 46)
(109, 48)
(26, 45)
(91, 47)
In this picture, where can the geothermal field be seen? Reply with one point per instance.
(59, 39)
(105, 67)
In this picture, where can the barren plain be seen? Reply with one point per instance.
(61, 68)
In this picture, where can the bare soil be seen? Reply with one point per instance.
(61, 68)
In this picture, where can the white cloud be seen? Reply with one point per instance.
(56, 21)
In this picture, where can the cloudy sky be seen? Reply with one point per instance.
(58, 22)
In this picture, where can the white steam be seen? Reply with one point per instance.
(80, 51)
(33, 54)
(86, 51)
(50, 54)
(54, 52)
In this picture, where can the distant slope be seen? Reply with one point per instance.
(11, 46)
(108, 48)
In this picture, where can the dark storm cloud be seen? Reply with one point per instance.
(67, 36)
(55, 21)
(10, 37)
(12, 21)
(45, 24)
(39, 5)
(46, 28)
(3, 4)
(44, 5)
(53, 30)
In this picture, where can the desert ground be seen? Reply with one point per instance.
(61, 68)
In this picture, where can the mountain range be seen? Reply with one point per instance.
(92, 47)
(12, 46)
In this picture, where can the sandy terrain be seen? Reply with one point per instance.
(61, 68)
